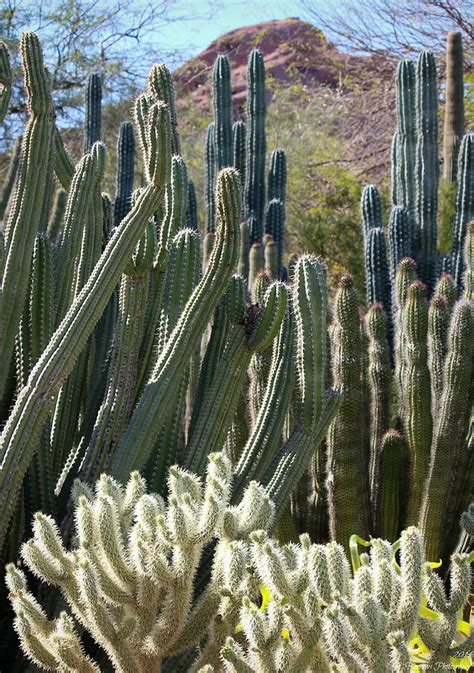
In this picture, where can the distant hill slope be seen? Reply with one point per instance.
(298, 54)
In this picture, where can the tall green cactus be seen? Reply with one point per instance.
(93, 111)
(454, 107)
(239, 146)
(417, 414)
(256, 144)
(157, 398)
(426, 167)
(464, 206)
(210, 178)
(450, 431)
(6, 80)
(403, 175)
(125, 172)
(18, 441)
(222, 104)
(347, 462)
(9, 181)
(30, 199)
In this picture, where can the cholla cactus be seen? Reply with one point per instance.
(128, 579)
(321, 617)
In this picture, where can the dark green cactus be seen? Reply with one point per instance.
(403, 175)
(426, 167)
(157, 399)
(454, 107)
(379, 378)
(464, 206)
(275, 226)
(125, 172)
(399, 238)
(469, 262)
(9, 181)
(277, 175)
(447, 289)
(191, 210)
(447, 459)
(438, 325)
(222, 104)
(160, 86)
(93, 111)
(239, 146)
(6, 80)
(417, 413)
(256, 144)
(210, 178)
(371, 209)
(377, 270)
(58, 210)
(347, 466)
(388, 495)
(30, 199)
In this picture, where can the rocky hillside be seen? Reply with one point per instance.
(298, 54)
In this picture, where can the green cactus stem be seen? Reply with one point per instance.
(450, 432)
(464, 206)
(454, 107)
(30, 198)
(157, 398)
(418, 421)
(6, 81)
(125, 172)
(18, 439)
(239, 144)
(256, 144)
(222, 105)
(388, 490)
(379, 379)
(404, 168)
(438, 326)
(93, 106)
(426, 167)
(9, 180)
(347, 460)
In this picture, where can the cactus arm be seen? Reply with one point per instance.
(239, 138)
(438, 324)
(220, 403)
(387, 500)
(450, 431)
(31, 408)
(31, 190)
(191, 210)
(63, 165)
(379, 376)
(157, 398)
(406, 139)
(210, 178)
(58, 210)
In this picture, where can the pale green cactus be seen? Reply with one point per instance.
(128, 579)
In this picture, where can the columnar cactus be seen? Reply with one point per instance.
(222, 103)
(348, 460)
(30, 199)
(5, 80)
(426, 166)
(9, 181)
(93, 111)
(210, 178)
(454, 107)
(450, 430)
(417, 418)
(464, 206)
(125, 172)
(256, 144)
(18, 439)
(403, 176)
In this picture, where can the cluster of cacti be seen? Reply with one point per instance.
(129, 581)
(413, 225)
(243, 145)
(123, 352)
